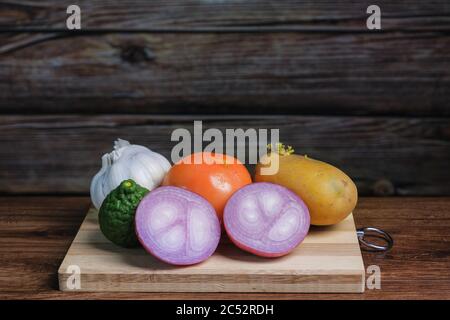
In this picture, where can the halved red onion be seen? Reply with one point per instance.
(266, 219)
(177, 226)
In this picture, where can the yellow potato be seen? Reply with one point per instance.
(329, 193)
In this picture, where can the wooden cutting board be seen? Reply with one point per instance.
(328, 260)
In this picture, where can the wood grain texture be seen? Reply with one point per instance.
(225, 15)
(35, 233)
(266, 73)
(328, 260)
(384, 156)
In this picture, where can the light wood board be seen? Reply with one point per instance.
(328, 260)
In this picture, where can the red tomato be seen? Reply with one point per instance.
(216, 182)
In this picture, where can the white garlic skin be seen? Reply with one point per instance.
(128, 161)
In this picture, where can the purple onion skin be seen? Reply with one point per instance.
(253, 214)
(177, 226)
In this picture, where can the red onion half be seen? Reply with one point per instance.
(177, 226)
(266, 219)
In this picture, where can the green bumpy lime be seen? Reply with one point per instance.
(116, 215)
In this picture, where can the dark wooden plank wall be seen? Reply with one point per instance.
(375, 103)
(228, 15)
(240, 73)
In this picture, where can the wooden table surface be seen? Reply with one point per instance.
(35, 233)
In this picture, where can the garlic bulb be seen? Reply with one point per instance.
(128, 161)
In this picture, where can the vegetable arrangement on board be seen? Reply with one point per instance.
(177, 213)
